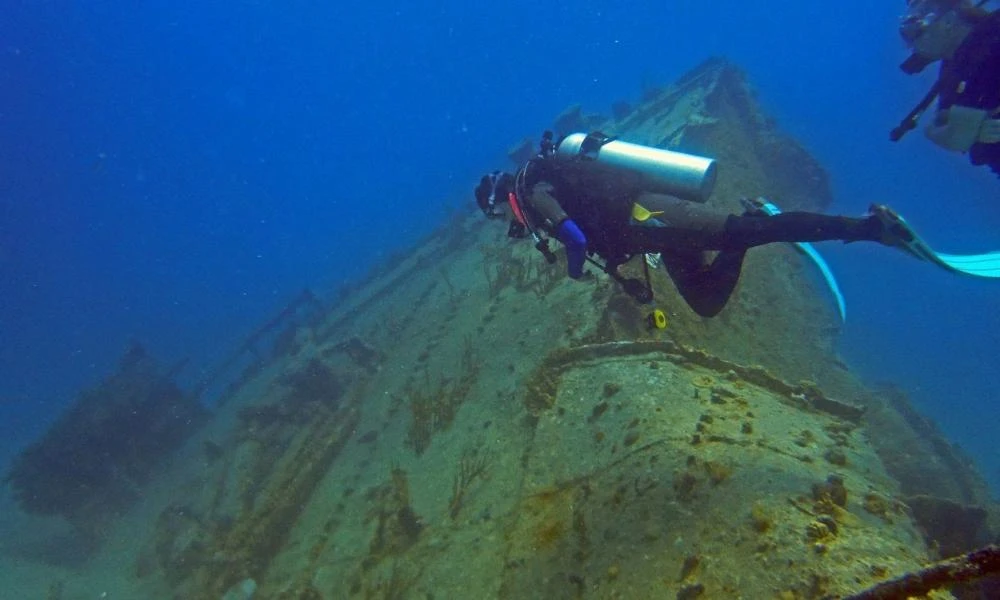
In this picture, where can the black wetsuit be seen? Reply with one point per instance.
(684, 233)
(972, 78)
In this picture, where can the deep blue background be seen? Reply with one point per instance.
(175, 173)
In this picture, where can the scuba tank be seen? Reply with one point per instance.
(659, 171)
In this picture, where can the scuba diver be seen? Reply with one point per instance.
(605, 197)
(965, 37)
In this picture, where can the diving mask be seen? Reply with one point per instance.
(933, 28)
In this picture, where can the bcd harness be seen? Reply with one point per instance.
(641, 291)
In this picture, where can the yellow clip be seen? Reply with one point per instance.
(642, 214)
(659, 319)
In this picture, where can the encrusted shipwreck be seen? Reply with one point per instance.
(469, 424)
(96, 460)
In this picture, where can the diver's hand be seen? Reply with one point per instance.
(989, 132)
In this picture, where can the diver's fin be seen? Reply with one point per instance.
(642, 214)
(898, 233)
(763, 206)
(977, 265)
(902, 236)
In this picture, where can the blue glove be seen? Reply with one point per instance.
(576, 247)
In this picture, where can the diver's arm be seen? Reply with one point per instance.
(958, 127)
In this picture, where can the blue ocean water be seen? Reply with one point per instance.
(175, 173)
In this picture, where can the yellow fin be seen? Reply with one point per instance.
(641, 213)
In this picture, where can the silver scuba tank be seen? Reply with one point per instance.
(659, 171)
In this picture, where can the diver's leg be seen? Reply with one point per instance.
(680, 224)
(747, 231)
(675, 226)
(705, 288)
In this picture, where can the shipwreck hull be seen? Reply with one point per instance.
(469, 423)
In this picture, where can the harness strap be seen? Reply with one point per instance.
(592, 144)
(515, 206)
(494, 180)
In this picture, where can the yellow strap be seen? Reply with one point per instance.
(642, 214)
